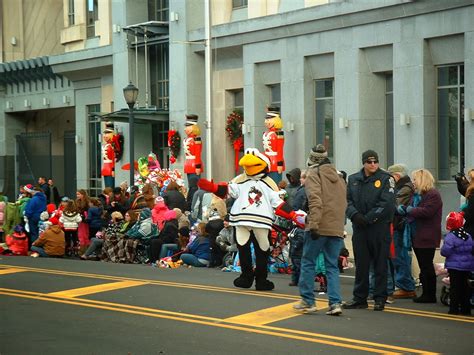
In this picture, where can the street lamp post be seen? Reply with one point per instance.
(130, 93)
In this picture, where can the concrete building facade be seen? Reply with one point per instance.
(396, 76)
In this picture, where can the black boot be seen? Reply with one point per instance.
(245, 280)
(261, 272)
(429, 290)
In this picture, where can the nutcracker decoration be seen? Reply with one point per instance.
(108, 156)
(192, 147)
(273, 143)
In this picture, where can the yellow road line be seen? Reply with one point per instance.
(96, 289)
(353, 344)
(270, 315)
(12, 270)
(274, 295)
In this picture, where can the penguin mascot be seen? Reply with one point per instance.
(252, 214)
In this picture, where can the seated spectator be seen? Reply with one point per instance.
(198, 253)
(159, 212)
(130, 219)
(167, 239)
(213, 228)
(50, 243)
(226, 237)
(183, 238)
(118, 202)
(43, 223)
(173, 197)
(112, 229)
(183, 220)
(149, 196)
(17, 242)
(144, 228)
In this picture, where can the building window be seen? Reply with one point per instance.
(275, 95)
(238, 99)
(95, 150)
(450, 121)
(160, 142)
(324, 114)
(159, 74)
(92, 14)
(389, 131)
(237, 4)
(71, 12)
(158, 10)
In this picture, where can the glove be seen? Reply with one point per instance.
(314, 234)
(402, 210)
(299, 219)
(359, 220)
(207, 185)
(409, 208)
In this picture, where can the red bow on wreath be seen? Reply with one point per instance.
(174, 143)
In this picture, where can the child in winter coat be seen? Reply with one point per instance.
(296, 237)
(18, 241)
(70, 220)
(458, 250)
(50, 243)
(43, 224)
(94, 217)
(167, 239)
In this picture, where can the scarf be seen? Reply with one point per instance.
(461, 233)
(410, 225)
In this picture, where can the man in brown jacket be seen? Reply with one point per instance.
(50, 243)
(326, 192)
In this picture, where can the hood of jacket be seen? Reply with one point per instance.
(295, 174)
(55, 229)
(145, 213)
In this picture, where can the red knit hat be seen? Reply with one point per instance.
(51, 208)
(454, 220)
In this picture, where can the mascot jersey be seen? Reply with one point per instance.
(256, 198)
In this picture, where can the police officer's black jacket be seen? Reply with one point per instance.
(373, 196)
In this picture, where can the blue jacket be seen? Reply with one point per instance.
(300, 201)
(94, 217)
(201, 248)
(458, 252)
(35, 206)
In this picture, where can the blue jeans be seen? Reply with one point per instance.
(402, 263)
(167, 247)
(390, 278)
(39, 250)
(190, 259)
(275, 176)
(95, 245)
(331, 247)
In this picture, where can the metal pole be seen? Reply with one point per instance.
(131, 122)
(208, 75)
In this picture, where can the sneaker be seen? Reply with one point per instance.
(379, 306)
(334, 310)
(404, 294)
(34, 254)
(302, 306)
(390, 300)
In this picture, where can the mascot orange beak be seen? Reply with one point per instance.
(253, 162)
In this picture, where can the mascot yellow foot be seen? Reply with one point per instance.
(256, 202)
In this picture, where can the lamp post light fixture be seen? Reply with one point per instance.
(130, 93)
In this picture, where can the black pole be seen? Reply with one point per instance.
(131, 121)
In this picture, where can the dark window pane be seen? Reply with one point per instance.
(448, 75)
(461, 76)
(448, 133)
(324, 88)
(325, 124)
(275, 94)
(239, 98)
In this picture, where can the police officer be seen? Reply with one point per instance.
(370, 207)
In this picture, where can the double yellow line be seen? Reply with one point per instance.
(348, 343)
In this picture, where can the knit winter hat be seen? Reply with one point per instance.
(18, 228)
(317, 155)
(30, 189)
(169, 215)
(44, 215)
(369, 154)
(400, 169)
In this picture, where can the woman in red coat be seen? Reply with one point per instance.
(424, 227)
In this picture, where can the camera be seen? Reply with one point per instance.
(459, 176)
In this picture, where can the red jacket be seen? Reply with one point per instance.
(18, 243)
(273, 142)
(192, 154)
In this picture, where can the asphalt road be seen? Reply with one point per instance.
(55, 306)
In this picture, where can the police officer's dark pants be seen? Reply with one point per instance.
(371, 244)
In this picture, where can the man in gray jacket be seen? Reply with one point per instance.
(326, 192)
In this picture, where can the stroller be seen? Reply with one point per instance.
(444, 297)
